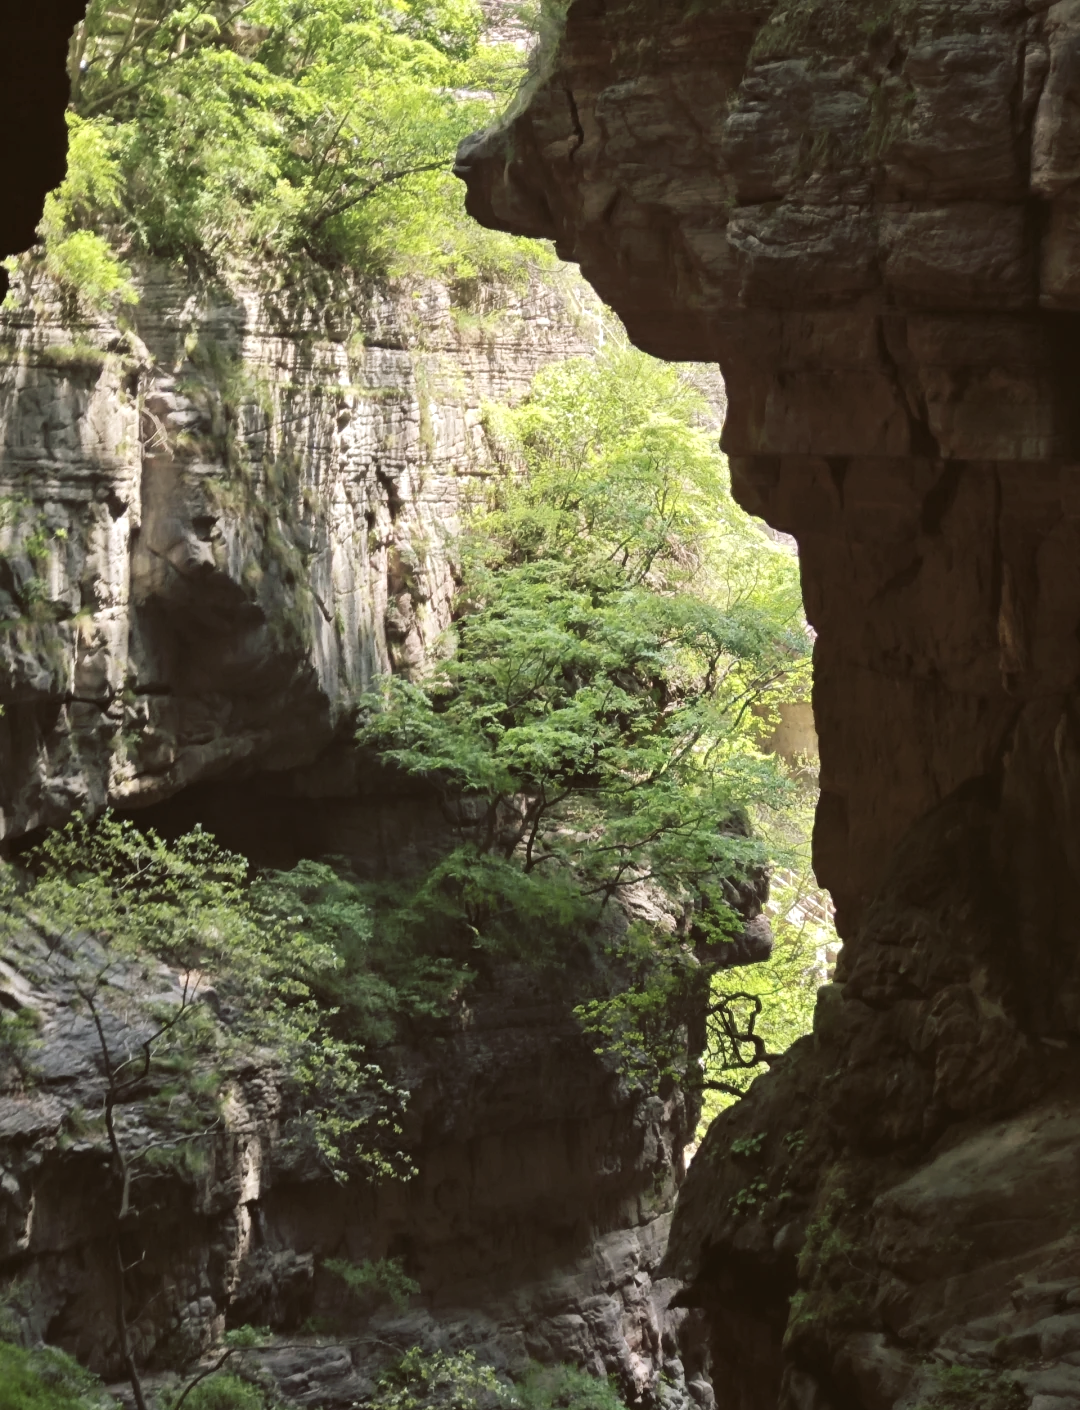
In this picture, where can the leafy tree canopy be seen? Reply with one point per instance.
(115, 905)
(593, 728)
(210, 130)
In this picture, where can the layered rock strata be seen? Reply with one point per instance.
(867, 217)
(218, 525)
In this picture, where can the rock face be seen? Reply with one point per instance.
(869, 218)
(534, 1224)
(216, 527)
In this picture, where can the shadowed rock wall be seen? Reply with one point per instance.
(867, 215)
(534, 1224)
(217, 526)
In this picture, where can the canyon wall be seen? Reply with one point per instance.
(217, 525)
(218, 522)
(868, 216)
(534, 1224)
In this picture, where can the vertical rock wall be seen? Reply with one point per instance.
(866, 215)
(534, 1224)
(217, 525)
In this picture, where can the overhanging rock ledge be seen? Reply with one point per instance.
(869, 215)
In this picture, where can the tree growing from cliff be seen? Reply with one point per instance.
(186, 981)
(593, 728)
(212, 130)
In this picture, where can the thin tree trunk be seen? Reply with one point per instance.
(123, 1331)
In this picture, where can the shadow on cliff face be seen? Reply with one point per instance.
(346, 804)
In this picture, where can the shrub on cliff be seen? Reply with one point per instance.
(438, 1380)
(221, 1391)
(48, 1379)
(184, 982)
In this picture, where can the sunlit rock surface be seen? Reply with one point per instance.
(218, 526)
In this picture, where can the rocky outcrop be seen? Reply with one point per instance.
(867, 218)
(217, 525)
(534, 1223)
(856, 217)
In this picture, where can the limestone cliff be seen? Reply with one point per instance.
(534, 1223)
(218, 524)
(867, 215)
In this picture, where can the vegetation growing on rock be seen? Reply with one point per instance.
(47, 1379)
(211, 131)
(183, 980)
(594, 726)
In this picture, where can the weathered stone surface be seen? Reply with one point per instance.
(869, 219)
(215, 529)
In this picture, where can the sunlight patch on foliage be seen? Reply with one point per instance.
(215, 131)
(593, 726)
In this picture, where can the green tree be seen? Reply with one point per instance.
(593, 728)
(215, 130)
(438, 1380)
(152, 942)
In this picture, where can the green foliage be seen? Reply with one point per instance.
(564, 1388)
(445, 1381)
(116, 904)
(27, 546)
(47, 1379)
(387, 964)
(245, 1337)
(583, 663)
(18, 1038)
(213, 130)
(220, 1392)
(374, 1283)
(758, 1011)
(438, 1380)
(748, 1145)
(80, 258)
(967, 1388)
(591, 729)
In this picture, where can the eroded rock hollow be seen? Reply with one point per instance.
(870, 217)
